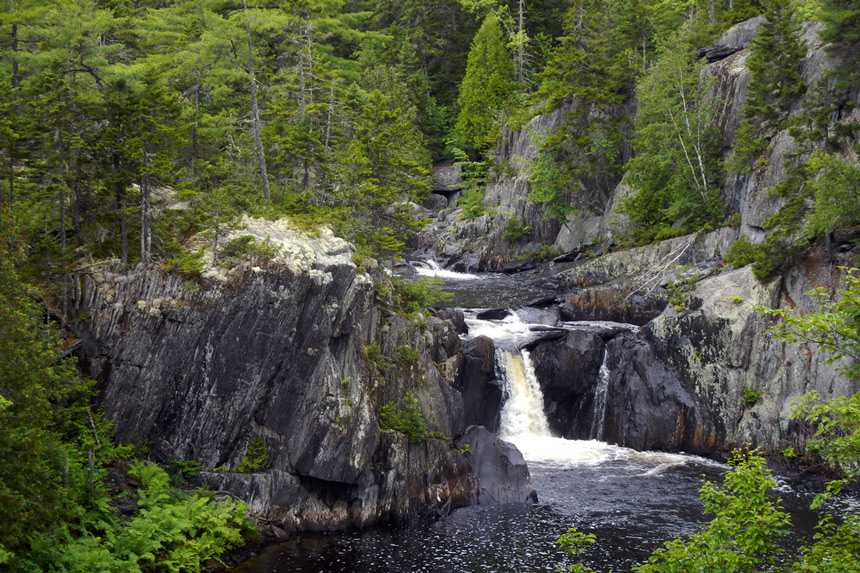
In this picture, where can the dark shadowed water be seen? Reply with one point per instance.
(631, 505)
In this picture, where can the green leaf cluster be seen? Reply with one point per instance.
(677, 170)
(775, 81)
(405, 418)
(256, 458)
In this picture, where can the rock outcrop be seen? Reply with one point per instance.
(302, 354)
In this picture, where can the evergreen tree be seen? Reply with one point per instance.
(841, 19)
(775, 81)
(486, 88)
(676, 171)
(32, 380)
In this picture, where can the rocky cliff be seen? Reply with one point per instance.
(303, 354)
(703, 373)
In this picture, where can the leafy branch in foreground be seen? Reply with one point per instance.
(835, 326)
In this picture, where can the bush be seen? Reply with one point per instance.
(256, 458)
(247, 247)
(189, 264)
(405, 356)
(515, 230)
(742, 253)
(406, 419)
(751, 397)
(415, 296)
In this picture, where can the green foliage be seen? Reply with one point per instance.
(405, 418)
(676, 173)
(183, 473)
(515, 230)
(34, 381)
(841, 19)
(187, 263)
(486, 88)
(474, 173)
(775, 81)
(836, 192)
(379, 360)
(247, 247)
(256, 458)
(742, 252)
(405, 356)
(549, 185)
(575, 543)
(745, 529)
(751, 396)
(835, 327)
(412, 297)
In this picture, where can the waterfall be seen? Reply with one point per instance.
(598, 421)
(522, 414)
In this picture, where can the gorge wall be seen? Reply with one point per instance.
(303, 354)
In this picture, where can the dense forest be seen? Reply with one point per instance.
(140, 131)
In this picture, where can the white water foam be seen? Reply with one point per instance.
(431, 268)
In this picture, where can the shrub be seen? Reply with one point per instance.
(414, 296)
(189, 264)
(515, 230)
(405, 418)
(247, 247)
(405, 356)
(256, 458)
(751, 397)
(742, 253)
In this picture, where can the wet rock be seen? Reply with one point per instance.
(493, 314)
(482, 391)
(454, 317)
(568, 370)
(647, 407)
(502, 473)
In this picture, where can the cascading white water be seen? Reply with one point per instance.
(598, 420)
(431, 268)
(523, 420)
(523, 413)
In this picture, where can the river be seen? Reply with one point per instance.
(632, 501)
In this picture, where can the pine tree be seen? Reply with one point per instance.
(486, 89)
(775, 82)
(841, 20)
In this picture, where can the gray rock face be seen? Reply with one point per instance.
(723, 347)
(500, 483)
(297, 354)
(482, 391)
(568, 371)
(647, 405)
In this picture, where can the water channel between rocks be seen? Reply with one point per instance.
(632, 501)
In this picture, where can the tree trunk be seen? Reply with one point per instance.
(145, 209)
(255, 110)
(521, 25)
(62, 183)
(77, 201)
(15, 81)
(120, 205)
(302, 107)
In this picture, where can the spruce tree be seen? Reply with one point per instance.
(841, 19)
(486, 89)
(775, 81)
